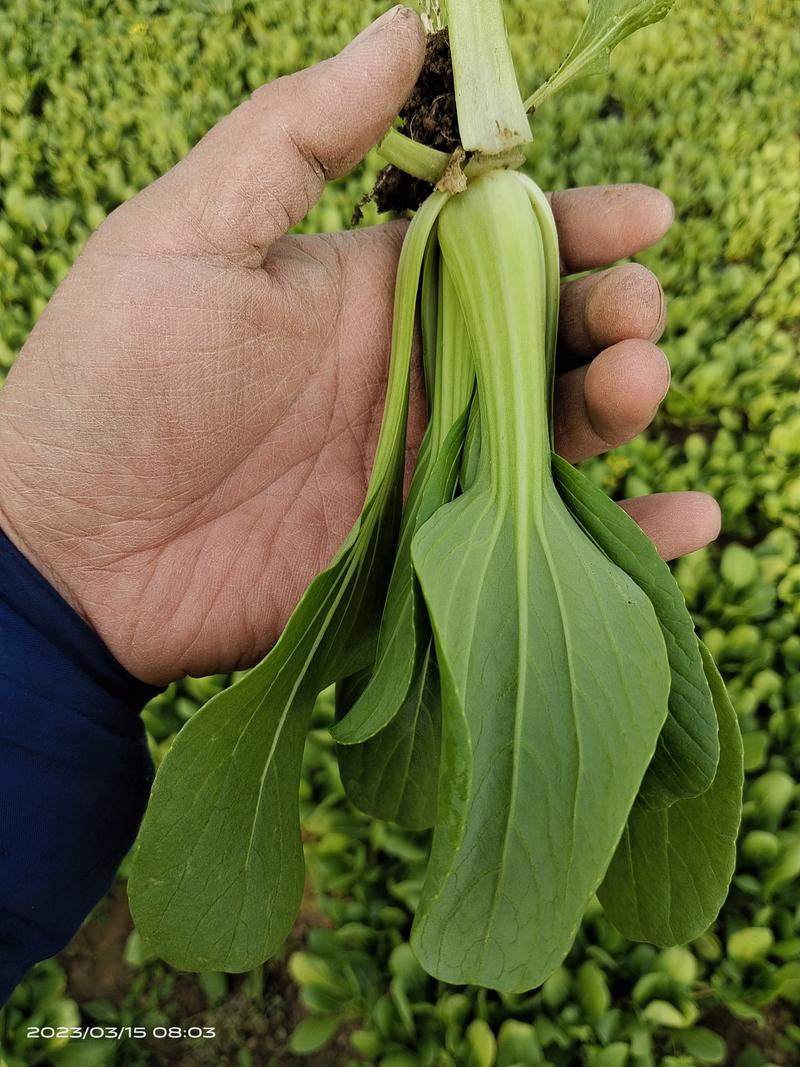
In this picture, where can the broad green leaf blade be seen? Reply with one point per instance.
(405, 632)
(554, 690)
(671, 872)
(393, 776)
(688, 749)
(553, 670)
(608, 23)
(218, 871)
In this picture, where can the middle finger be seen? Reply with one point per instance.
(600, 310)
(611, 401)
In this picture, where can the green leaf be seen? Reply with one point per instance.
(517, 1043)
(102, 1011)
(688, 749)
(404, 634)
(394, 721)
(472, 447)
(553, 669)
(591, 987)
(481, 1043)
(608, 23)
(404, 641)
(663, 1013)
(404, 966)
(704, 1045)
(312, 1034)
(670, 874)
(750, 944)
(307, 969)
(95, 1053)
(218, 873)
(391, 718)
(215, 987)
(393, 775)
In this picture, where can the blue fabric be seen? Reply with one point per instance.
(75, 772)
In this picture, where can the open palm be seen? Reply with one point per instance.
(187, 436)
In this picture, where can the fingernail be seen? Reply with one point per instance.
(661, 323)
(667, 376)
(378, 26)
(671, 208)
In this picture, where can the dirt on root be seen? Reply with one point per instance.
(96, 970)
(429, 117)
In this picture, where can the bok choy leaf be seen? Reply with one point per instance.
(218, 873)
(553, 670)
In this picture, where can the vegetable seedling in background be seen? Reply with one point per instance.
(515, 664)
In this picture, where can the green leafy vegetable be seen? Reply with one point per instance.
(218, 888)
(670, 874)
(405, 631)
(608, 23)
(514, 664)
(393, 775)
(387, 771)
(688, 749)
(491, 115)
(548, 726)
(390, 759)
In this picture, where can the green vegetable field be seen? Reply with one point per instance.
(100, 97)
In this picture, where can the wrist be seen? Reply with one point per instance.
(49, 648)
(11, 526)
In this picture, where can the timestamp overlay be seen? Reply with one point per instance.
(120, 1033)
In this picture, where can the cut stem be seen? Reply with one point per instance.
(491, 114)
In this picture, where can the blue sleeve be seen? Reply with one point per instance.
(75, 771)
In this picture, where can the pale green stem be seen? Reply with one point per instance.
(492, 244)
(552, 259)
(430, 164)
(545, 91)
(414, 158)
(390, 451)
(491, 115)
(454, 369)
(429, 317)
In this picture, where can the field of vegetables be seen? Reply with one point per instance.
(99, 97)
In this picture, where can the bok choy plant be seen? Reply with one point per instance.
(515, 666)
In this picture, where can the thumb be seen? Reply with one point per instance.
(260, 170)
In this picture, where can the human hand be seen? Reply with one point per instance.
(187, 435)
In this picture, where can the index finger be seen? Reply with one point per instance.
(599, 224)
